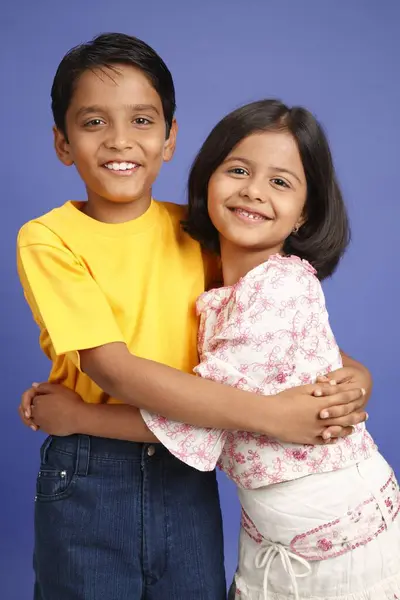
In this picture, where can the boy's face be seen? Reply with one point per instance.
(116, 135)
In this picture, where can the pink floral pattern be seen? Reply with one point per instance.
(361, 525)
(267, 333)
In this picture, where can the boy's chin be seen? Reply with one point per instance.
(125, 197)
(123, 200)
(118, 195)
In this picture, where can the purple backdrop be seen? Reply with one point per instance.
(340, 59)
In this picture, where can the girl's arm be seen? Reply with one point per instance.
(58, 410)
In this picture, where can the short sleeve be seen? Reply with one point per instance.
(63, 296)
(198, 447)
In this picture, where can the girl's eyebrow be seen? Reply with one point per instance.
(246, 161)
(283, 170)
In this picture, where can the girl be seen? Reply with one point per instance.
(318, 522)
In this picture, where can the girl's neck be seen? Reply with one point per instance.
(237, 261)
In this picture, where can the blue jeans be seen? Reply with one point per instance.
(125, 521)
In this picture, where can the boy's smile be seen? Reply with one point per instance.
(116, 138)
(122, 167)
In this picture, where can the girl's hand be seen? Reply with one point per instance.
(349, 375)
(360, 377)
(315, 414)
(24, 409)
(53, 408)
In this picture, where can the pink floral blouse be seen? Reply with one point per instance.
(267, 333)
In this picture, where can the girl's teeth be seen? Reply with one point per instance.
(250, 215)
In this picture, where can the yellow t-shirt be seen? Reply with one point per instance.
(90, 283)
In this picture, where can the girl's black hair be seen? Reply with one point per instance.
(324, 236)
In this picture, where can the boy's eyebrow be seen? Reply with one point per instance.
(85, 110)
(246, 161)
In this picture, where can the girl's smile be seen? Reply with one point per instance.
(256, 198)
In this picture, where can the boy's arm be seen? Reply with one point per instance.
(290, 416)
(353, 365)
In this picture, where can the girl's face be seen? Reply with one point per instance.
(256, 197)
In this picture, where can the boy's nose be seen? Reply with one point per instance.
(118, 139)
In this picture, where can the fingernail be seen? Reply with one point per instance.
(34, 384)
(363, 391)
(332, 382)
(33, 428)
(318, 392)
(326, 435)
(27, 415)
(324, 414)
(366, 416)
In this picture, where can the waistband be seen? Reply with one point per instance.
(103, 447)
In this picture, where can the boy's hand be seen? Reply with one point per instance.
(53, 408)
(314, 414)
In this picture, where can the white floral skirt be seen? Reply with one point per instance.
(323, 537)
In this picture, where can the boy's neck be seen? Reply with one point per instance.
(106, 211)
(237, 261)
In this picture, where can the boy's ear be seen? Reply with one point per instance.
(62, 148)
(170, 142)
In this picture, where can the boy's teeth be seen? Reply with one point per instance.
(123, 166)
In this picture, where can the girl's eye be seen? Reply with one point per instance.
(279, 182)
(94, 122)
(142, 121)
(238, 171)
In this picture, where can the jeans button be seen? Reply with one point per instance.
(151, 451)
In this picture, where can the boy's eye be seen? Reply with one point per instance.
(93, 122)
(238, 171)
(279, 182)
(142, 121)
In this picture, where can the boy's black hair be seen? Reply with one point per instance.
(324, 236)
(107, 51)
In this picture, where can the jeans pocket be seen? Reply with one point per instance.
(56, 478)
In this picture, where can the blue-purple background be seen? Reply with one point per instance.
(340, 58)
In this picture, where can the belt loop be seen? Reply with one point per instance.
(45, 448)
(82, 455)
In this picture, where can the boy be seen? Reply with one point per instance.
(112, 283)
